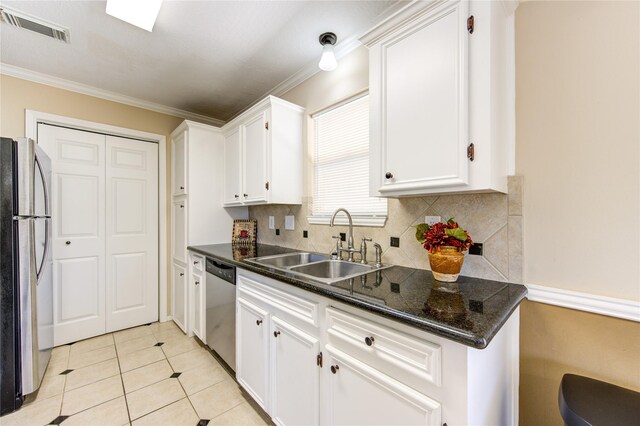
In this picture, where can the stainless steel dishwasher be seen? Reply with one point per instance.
(221, 310)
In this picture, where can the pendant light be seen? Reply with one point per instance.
(328, 59)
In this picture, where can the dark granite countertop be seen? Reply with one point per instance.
(470, 311)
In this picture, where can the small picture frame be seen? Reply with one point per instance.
(244, 232)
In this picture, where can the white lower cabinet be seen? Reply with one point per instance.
(198, 288)
(252, 354)
(309, 360)
(359, 394)
(179, 299)
(294, 372)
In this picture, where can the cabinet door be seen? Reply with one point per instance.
(252, 350)
(179, 296)
(232, 168)
(198, 288)
(359, 394)
(179, 164)
(255, 153)
(419, 104)
(294, 373)
(179, 230)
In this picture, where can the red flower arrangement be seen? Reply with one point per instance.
(443, 234)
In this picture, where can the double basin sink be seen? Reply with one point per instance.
(316, 266)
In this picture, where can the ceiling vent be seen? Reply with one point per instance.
(27, 22)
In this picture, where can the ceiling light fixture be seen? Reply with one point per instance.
(141, 13)
(328, 60)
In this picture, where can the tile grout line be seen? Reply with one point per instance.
(124, 391)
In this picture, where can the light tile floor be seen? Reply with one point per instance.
(148, 375)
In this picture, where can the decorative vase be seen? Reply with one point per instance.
(446, 263)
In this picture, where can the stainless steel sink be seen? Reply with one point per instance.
(333, 270)
(283, 261)
(316, 266)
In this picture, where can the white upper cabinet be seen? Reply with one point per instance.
(255, 159)
(179, 163)
(441, 116)
(263, 155)
(232, 164)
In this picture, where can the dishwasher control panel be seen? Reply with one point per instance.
(222, 270)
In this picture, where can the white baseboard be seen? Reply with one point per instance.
(618, 308)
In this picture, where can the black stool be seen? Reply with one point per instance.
(588, 402)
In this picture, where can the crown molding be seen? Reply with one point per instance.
(72, 86)
(618, 308)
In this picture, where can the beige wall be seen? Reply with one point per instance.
(578, 139)
(578, 142)
(17, 95)
(555, 341)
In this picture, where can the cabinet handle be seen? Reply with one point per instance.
(258, 322)
(181, 274)
(388, 175)
(236, 196)
(246, 195)
(334, 369)
(68, 243)
(182, 206)
(369, 340)
(195, 262)
(197, 282)
(182, 187)
(276, 333)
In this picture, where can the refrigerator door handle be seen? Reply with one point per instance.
(47, 249)
(25, 149)
(44, 168)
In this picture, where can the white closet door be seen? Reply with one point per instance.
(131, 233)
(78, 219)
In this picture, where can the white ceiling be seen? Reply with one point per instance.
(213, 58)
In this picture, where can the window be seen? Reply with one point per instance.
(341, 165)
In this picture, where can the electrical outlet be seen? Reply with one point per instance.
(395, 242)
(431, 220)
(289, 223)
(476, 248)
(272, 222)
(277, 232)
(305, 234)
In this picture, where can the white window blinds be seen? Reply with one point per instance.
(341, 165)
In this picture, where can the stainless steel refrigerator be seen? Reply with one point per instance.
(26, 289)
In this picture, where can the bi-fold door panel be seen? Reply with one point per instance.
(78, 220)
(132, 233)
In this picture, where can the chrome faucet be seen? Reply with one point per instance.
(349, 248)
